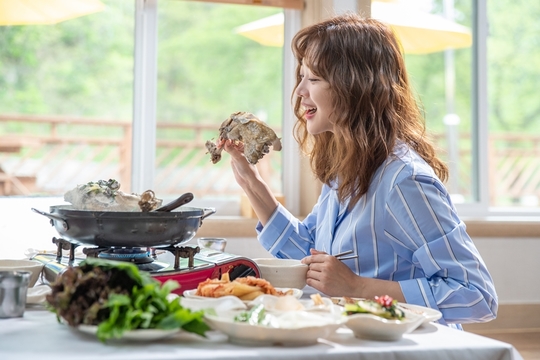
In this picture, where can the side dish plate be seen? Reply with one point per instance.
(372, 327)
(297, 293)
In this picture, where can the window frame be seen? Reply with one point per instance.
(144, 121)
(481, 208)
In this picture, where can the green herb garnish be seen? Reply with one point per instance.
(383, 306)
(256, 316)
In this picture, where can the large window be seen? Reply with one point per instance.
(66, 101)
(179, 68)
(480, 100)
(437, 38)
(513, 81)
(206, 71)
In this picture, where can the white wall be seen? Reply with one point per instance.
(514, 265)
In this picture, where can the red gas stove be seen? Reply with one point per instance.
(189, 265)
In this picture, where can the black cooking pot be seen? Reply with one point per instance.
(126, 229)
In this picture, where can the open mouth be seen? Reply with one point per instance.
(311, 111)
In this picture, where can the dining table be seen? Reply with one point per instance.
(39, 335)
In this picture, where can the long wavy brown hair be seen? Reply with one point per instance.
(374, 105)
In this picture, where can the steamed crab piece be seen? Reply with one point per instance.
(245, 127)
(214, 150)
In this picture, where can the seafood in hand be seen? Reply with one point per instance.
(256, 136)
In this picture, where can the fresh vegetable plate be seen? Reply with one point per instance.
(122, 301)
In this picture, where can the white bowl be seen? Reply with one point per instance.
(283, 273)
(32, 266)
(372, 327)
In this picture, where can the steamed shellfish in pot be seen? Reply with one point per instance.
(107, 196)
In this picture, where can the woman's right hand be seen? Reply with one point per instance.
(247, 176)
(244, 172)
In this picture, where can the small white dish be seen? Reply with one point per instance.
(373, 327)
(296, 328)
(134, 335)
(297, 293)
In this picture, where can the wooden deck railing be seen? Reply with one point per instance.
(51, 154)
(515, 168)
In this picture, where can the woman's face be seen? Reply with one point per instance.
(316, 101)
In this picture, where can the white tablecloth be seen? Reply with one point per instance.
(37, 335)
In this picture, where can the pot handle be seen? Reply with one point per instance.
(53, 217)
(208, 212)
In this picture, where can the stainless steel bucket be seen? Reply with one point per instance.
(13, 288)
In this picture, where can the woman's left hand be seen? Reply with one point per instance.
(329, 275)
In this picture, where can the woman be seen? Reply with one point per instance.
(382, 195)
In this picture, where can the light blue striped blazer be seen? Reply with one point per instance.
(404, 229)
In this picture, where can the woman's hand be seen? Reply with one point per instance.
(247, 176)
(244, 172)
(330, 276)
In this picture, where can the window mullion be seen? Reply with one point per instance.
(144, 96)
(479, 128)
(290, 153)
(481, 94)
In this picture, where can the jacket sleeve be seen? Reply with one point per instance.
(422, 223)
(286, 237)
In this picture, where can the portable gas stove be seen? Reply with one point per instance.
(189, 265)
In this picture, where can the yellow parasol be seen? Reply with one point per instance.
(36, 12)
(419, 32)
(267, 31)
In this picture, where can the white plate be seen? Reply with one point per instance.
(297, 328)
(134, 335)
(429, 314)
(297, 293)
(280, 304)
(368, 326)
